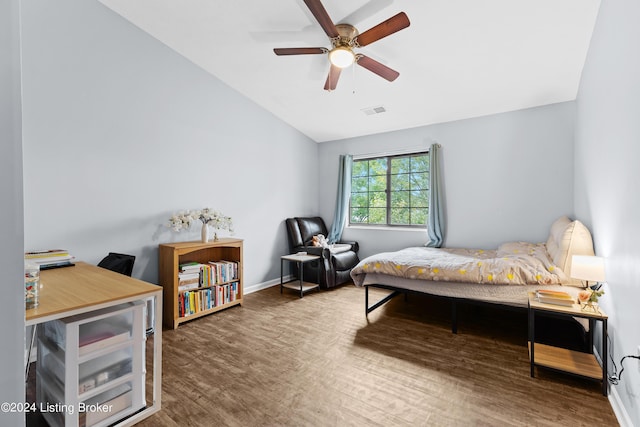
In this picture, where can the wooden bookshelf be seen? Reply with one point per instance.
(171, 255)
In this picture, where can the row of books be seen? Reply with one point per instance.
(50, 258)
(555, 297)
(194, 274)
(192, 302)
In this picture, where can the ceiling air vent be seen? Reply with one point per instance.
(373, 110)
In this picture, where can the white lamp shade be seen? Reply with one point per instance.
(590, 268)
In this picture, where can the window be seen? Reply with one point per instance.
(390, 190)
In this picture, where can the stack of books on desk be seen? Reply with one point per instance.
(555, 297)
(51, 258)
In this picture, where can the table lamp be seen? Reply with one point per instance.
(588, 269)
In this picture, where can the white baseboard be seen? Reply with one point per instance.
(264, 285)
(618, 408)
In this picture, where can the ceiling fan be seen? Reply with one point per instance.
(344, 39)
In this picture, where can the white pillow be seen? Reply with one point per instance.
(336, 248)
(568, 238)
(556, 236)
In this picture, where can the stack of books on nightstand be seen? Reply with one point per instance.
(51, 258)
(555, 297)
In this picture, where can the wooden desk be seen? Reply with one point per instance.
(84, 288)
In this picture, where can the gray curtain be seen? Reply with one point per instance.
(342, 199)
(435, 220)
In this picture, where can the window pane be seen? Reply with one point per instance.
(420, 163)
(377, 216)
(400, 216)
(360, 168)
(359, 200)
(419, 198)
(400, 199)
(378, 166)
(419, 181)
(419, 216)
(359, 184)
(378, 183)
(400, 165)
(378, 200)
(400, 182)
(359, 215)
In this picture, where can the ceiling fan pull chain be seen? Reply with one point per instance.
(354, 79)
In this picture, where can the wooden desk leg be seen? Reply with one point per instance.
(157, 354)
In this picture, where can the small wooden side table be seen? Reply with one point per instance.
(300, 284)
(562, 359)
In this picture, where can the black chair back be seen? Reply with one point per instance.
(120, 263)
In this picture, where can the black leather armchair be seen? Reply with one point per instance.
(335, 268)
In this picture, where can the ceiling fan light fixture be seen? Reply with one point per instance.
(342, 56)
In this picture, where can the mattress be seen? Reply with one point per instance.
(499, 294)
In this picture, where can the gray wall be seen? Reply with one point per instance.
(11, 225)
(506, 177)
(607, 177)
(120, 132)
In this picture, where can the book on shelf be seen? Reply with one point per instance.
(51, 258)
(46, 253)
(188, 286)
(194, 301)
(555, 297)
(555, 294)
(217, 272)
(190, 267)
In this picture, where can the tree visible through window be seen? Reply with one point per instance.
(390, 190)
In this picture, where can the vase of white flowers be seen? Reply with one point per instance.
(208, 217)
(204, 233)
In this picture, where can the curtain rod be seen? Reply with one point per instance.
(392, 153)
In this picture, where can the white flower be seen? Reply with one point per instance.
(183, 220)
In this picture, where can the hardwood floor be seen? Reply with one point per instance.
(318, 361)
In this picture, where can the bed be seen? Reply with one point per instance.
(502, 276)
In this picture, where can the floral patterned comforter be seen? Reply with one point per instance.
(514, 263)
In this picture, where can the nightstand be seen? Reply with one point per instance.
(562, 359)
(300, 284)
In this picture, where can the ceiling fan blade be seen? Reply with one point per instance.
(332, 78)
(377, 68)
(321, 15)
(383, 29)
(299, 50)
(365, 11)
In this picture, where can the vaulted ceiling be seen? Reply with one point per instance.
(458, 58)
